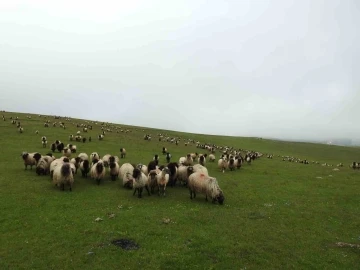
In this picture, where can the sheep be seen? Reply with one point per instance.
(67, 152)
(78, 132)
(114, 159)
(182, 160)
(36, 132)
(140, 181)
(152, 165)
(231, 164)
(55, 163)
(183, 173)
(114, 169)
(188, 161)
(125, 172)
(212, 157)
(84, 167)
(83, 156)
(173, 166)
(76, 161)
(105, 159)
(53, 147)
(63, 175)
(84, 140)
(100, 137)
(71, 137)
(152, 181)
(162, 180)
(164, 150)
(168, 157)
(202, 160)
(42, 167)
(72, 148)
(21, 129)
(222, 164)
(194, 155)
(122, 152)
(29, 159)
(94, 156)
(200, 168)
(201, 183)
(60, 147)
(156, 158)
(143, 168)
(238, 162)
(97, 171)
(90, 139)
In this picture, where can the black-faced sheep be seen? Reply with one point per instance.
(84, 167)
(201, 183)
(202, 160)
(43, 165)
(222, 164)
(140, 181)
(152, 181)
(105, 159)
(122, 152)
(97, 171)
(63, 175)
(143, 168)
(173, 166)
(114, 169)
(21, 129)
(76, 161)
(231, 164)
(83, 156)
(29, 159)
(168, 157)
(183, 173)
(164, 150)
(67, 152)
(162, 180)
(94, 155)
(60, 147)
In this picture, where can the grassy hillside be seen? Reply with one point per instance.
(276, 214)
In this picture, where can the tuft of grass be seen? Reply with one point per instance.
(276, 214)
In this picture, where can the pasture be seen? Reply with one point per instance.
(276, 214)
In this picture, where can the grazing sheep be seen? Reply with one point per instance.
(212, 158)
(222, 164)
(126, 171)
(63, 175)
(140, 181)
(29, 159)
(97, 171)
(162, 180)
(21, 129)
(200, 168)
(114, 170)
(122, 152)
(201, 183)
(152, 181)
(84, 167)
(67, 152)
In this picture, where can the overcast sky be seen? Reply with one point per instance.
(279, 68)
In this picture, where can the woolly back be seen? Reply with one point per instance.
(213, 187)
(65, 169)
(99, 167)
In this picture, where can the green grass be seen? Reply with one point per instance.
(276, 215)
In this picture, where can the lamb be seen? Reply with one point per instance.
(162, 180)
(168, 157)
(63, 176)
(125, 172)
(140, 181)
(201, 183)
(122, 152)
(84, 167)
(114, 169)
(212, 157)
(97, 171)
(222, 164)
(29, 159)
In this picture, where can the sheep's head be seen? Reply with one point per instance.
(111, 159)
(190, 170)
(37, 156)
(220, 198)
(24, 155)
(99, 167)
(136, 173)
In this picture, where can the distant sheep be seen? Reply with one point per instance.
(63, 175)
(21, 129)
(140, 181)
(168, 157)
(164, 150)
(101, 137)
(122, 152)
(201, 183)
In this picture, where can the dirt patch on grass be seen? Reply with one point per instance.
(126, 244)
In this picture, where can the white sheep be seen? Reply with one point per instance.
(63, 175)
(143, 168)
(105, 159)
(83, 156)
(126, 171)
(200, 168)
(162, 180)
(140, 181)
(222, 164)
(212, 157)
(201, 183)
(97, 171)
(28, 159)
(94, 156)
(183, 173)
(67, 152)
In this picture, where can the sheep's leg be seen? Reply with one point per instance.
(98, 181)
(206, 199)
(164, 194)
(159, 190)
(190, 194)
(134, 191)
(147, 189)
(25, 167)
(70, 188)
(140, 192)
(62, 187)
